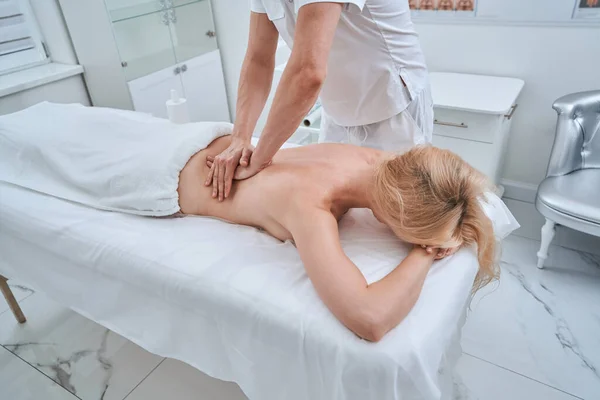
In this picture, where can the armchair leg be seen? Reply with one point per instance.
(10, 299)
(548, 231)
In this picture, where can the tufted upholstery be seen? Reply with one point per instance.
(577, 142)
(570, 194)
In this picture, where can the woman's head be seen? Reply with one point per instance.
(430, 196)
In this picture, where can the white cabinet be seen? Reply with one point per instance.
(204, 88)
(149, 93)
(199, 79)
(473, 114)
(135, 51)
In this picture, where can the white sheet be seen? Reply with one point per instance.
(240, 309)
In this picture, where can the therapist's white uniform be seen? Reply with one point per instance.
(376, 92)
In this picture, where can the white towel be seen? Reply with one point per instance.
(103, 158)
(502, 219)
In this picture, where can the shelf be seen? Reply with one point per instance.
(142, 8)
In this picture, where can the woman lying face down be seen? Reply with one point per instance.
(427, 196)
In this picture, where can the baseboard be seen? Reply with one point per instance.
(520, 191)
(520, 198)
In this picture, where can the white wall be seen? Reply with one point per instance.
(553, 61)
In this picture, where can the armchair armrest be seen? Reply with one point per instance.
(566, 152)
(575, 104)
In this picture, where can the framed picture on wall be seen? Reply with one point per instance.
(445, 8)
(587, 9)
(508, 12)
(465, 5)
(464, 8)
(442, 8)
(427, 5)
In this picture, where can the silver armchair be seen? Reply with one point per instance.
(570, 193)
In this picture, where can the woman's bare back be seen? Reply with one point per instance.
(318, 176)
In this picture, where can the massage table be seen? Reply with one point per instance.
(233, 301)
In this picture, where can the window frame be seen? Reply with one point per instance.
(24, 59)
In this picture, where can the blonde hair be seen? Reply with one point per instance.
(429, 196)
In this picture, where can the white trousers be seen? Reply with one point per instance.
(411, 127)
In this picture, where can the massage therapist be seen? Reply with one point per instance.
(362, 57)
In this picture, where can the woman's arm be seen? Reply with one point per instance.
(370, 311)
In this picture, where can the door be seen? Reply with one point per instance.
(150, 93)
(195, 47)
(170, 44)
(192, 29)
(143, 37)
(204, 88)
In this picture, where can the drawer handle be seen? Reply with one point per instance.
(454, 124)
(512, 111)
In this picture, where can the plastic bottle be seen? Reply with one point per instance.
(177, 109)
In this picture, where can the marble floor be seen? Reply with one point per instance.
(535, 334)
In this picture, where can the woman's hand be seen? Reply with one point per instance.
(224, 165)
(441, 253)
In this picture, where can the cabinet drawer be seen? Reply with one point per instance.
(466, 125)
(481, 156)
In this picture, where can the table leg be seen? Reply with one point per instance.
(10, 299)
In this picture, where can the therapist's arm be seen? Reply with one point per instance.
(253, 90)
(300, 83)
(372, 310)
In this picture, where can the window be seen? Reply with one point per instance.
(20, 40)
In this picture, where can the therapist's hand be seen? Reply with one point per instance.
(247, 172)
(241, 172)
(224, 165)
